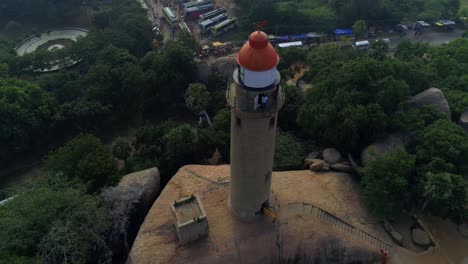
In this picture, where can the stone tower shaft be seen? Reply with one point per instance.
(255, 96)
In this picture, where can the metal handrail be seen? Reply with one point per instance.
(250, 106)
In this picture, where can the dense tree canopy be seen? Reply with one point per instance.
(85, 160)
(25, 111)
(386, 182)
(53, 220)
(196, 97)
(445, 195)
(289, 152)
(40, 9)
(443, 147)
(352, 105)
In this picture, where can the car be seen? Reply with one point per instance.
(156, 29)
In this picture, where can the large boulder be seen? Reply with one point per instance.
(396, 237)
(225, 66)
(432, 97)
(340, 167)
(128, 204)
(464, 120)
(314, 155)
(384, 146)
(146, 182)
(331, 155)
(309, 162)
(317, 166)
(420, 237)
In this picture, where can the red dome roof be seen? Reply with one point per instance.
(258, 54)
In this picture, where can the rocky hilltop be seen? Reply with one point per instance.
(319, 216)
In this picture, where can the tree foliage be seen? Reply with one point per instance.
(359, 28)
(446, 195)
(289, 152)
(52, 220)
(196, 97)
(352, 105)
(85, 160)
(40, 9)
(25, 111)
(121, 148)
(385, 182)
(443, 147)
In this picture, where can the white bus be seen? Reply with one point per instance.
(212, 14)
(183, 26)
(197, 3)
(290, 44)
(224, 26)
(170, 16)
(208, 24)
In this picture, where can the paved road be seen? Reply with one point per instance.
(434, 38)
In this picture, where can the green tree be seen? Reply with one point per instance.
(385, 182)
(121, 149)
(174, 67)
(379, 50)
(196, 97)
(182, 143)
(186, 39)
(443, 147)
(359, 28)
(352, 105)
(51, 220)
(406, 50)
(445, 195)
(220, 132)
(25, 111)
(288, 115)
(217, 88)
(458, 102)
(79, 237)
(289, 153)
(125, 26)
(290, 56)
(116, 80)
(85, 160)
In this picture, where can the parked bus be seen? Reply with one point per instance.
(195, 12)
(170, 16)
(212, 14)
(197, 3)
(290, 44)
(208, 24)
(183, 26)
(224, 26)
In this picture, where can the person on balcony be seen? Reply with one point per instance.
(264, 100)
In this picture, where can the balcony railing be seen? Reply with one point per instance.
(247, 101)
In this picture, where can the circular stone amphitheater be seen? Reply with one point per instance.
(51, 40)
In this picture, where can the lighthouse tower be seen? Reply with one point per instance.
(255, 97)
